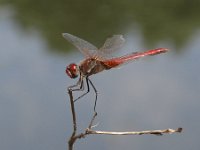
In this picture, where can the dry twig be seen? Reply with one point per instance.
(155, 132)
(89, 130)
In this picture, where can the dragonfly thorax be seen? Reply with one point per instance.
(72, 70)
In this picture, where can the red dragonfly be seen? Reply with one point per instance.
(97, 60)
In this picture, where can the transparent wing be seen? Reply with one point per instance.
(112, 44)
(83, 46)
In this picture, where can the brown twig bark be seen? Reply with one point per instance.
(72, 139)
(89, 130)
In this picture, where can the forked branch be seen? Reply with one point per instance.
(89, 130)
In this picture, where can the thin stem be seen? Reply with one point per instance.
(92, 120)
(72, 140)
(73, 110)
(155, 132)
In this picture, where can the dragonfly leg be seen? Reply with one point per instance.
(95, 90)
(88, 90)
(75, 87)
(79, 86)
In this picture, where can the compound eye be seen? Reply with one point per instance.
(72, 70)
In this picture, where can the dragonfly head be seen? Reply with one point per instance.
(72, 70)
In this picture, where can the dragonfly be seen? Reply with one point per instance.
(97, 60)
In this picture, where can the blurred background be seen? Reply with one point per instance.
(152, 93)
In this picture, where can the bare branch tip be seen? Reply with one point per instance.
(179, 130)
